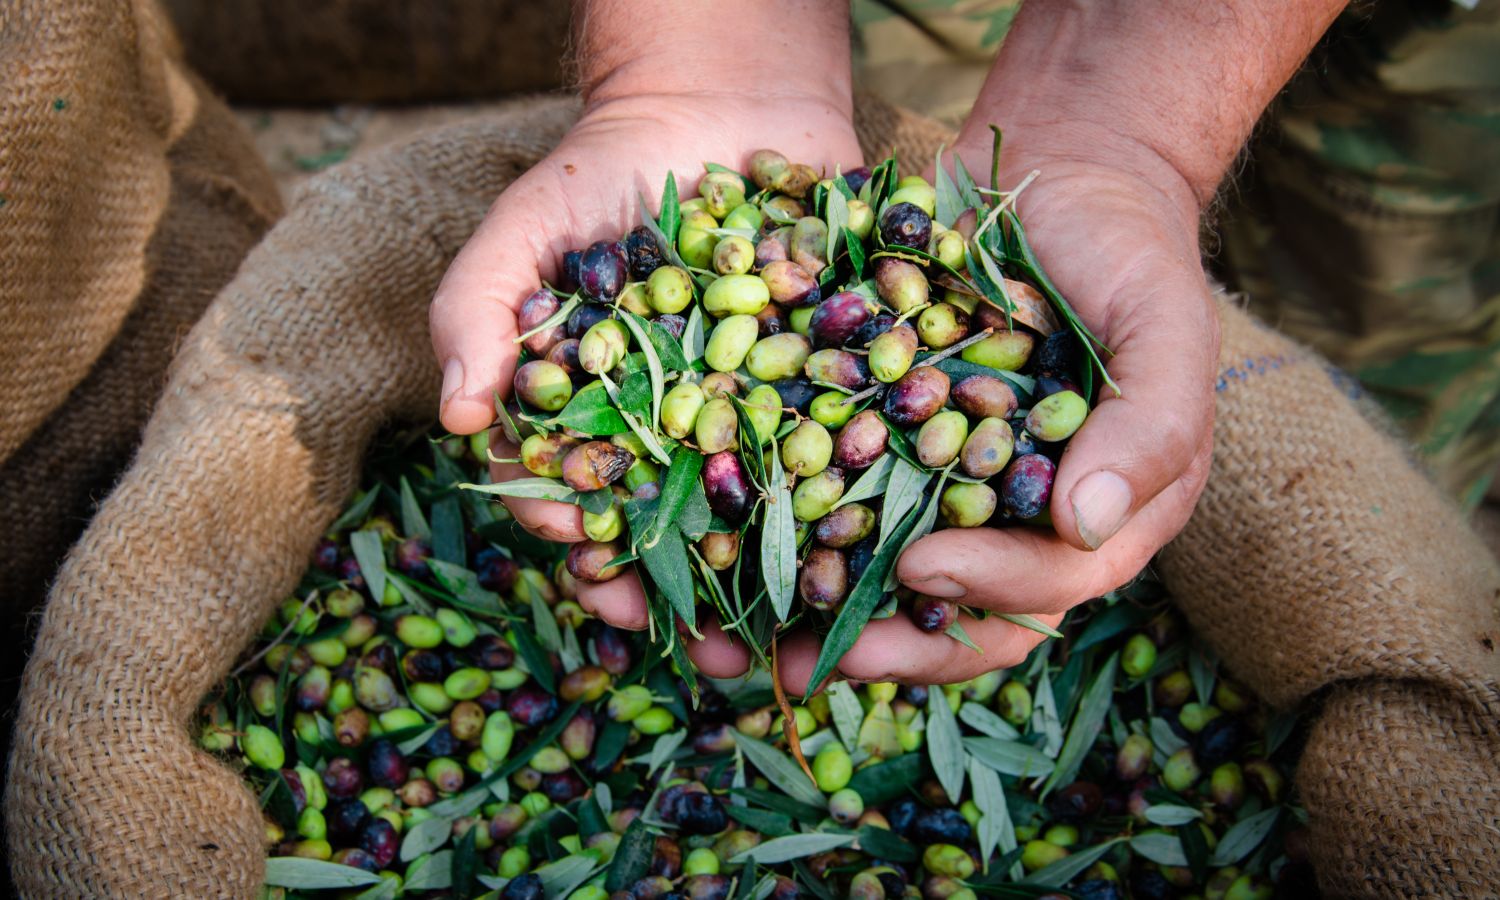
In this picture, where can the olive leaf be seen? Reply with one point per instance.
(677, 488)
(667, 562)
(856, 253)
(357, 511)
(982, 720)
(750, 455)
(370, 554)
(413, 522)
(298, 873)
(668, 349)
(430, 873)
(1030, 623)
(944, 746)
(1087, 724)
(1009, 757)
(671, 210)
(669, 247)
(464, 585)
(794, 846)
(847, 713)
(1244, 836)
(642, 332)
(653, 446)
(632, 857)
(995, 826)
(838, 220)
(1164, 849)
(957, 632)
(780, 770)
(778, 537)
(532, 488)
(693, 339)
(903, 492)
(1069, 867)
(425, 837)
(448, 530)
(590, 412)
(871, 483)
(1170, 814)
(967, 187)
(949, 202)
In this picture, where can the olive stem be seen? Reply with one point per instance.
(244, 666)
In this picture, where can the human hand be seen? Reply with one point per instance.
(585, 190)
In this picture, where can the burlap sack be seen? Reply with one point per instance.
(321, 338)
(373, 51)
(1322, 564)
(128, 196)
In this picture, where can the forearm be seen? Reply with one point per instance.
(1170, 88)
(773, 49)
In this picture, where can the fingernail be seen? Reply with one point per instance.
(1101, 505)
(937, 586)
(453, 381)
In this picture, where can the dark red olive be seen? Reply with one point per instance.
(824, 579)
(563, 787)
(917, 397)
(326, 555)
(727, 486)
(496, 571)
(585, 316)
(423, 665)
(856, 178)
(934, 614)
(613, 650)
(387, 765)
(796, 393)
(602, 271)
(644, 252)
(1026, 485)
(984, 396)
(529, 705)
(535, 310)
(861, 441)
(342, 778)
(1077, 802)
(379, 839)
(346, 817)
(572, 268)
(906, 225)
(491, 651)
(836, 319)
(564, 355)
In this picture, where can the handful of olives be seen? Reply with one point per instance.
(766, 393)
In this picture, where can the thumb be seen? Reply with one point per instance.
(473, 314)
(1132, 446)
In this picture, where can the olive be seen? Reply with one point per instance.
(845, 526)
(776, 357)
(543, 385)
(892, 353)
(987, 449)
(535, 310)
(934, 614)
(984, 396)
(861, 441)
(796, 393)
(1058, 416)
(585, 316)
(589, 561)
(942, 325)
(807, 449)
(824, 578)
(733, 255)
(840, 367)
(730, 342)
(717, 427)
(789, 284)
(1027, 485)
(917, 397)
(669, 289)
(644, 252)
(941, 438)
(815, 495)
(603, 270)
(595, 464)
(836, 319)
(727, 486)
(906, 225)
(1003, 350)
(720, 550)
(967, 505)
(734, 295)
(901, 284)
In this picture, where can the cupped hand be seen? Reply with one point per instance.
(586, 190)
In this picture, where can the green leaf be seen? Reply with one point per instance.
(662, 750)
(314, 874)
(448, 530)
(778, 538)
(418, 740)
(694, 340)
(413, 523)
(871, 483)
(949, 202)
(671, 210)
(780, 770)
(774, 824)
(1165, 849)
(696, 518)
(670, 569)
(1066, 869)
(544, 623)
(1009, 757)
(856, 254)
(903, 492)
(999, 141)
(750, 454)
(535, 488)
(1110, 621)
(972, 199)
(590, 412)
(1200, 666)
(677, 488)
(981, 719)
(883, 782)
(357, 511)
(838, 219)
(464, 585)
(431, 873)
(465, 864)
(944, 746)
(632, 857)
(995, 827)
(667, 348)
(882, 843)
(957, 632)
(425, 837)
(1030, 623)
(1163, 738)
(563, 877)
(647, 436)
(369, 552)
(802, 812)
(793, 846)
(387, 889)
(1170, 814)
(1244, 836)
(861, 602)
(847, 713)
(1044, 717)
(641, 329)
(921, 529)
(1086, 726)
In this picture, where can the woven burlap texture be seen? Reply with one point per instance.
(1321, 559)
(321, 339)
(373, 51)
(128, 197)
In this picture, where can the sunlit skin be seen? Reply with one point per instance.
(1131, 112)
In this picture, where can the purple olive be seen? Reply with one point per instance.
(840, 367)
(790, 284)
(1058, 354)
(585, 316)
(613, 650)
(934, 614)
(984, 397)
(572, 269)
(564, 355)
(529, 705)
(563, 787)
(672, 324)
(1027, 485)
(824, 579)
(491, 651)
(342, 778)
(835, 320)
(796, 393)
(496, 571)
(535, 310)
(602, 271)
(906, 225)
(772, 321)
(856, 178)
(644, 252)
(1048, 384)
(845, 526)
(860, 442)
(872, 329)
(727, 486)
(346, 817)
(774, 246)
(423, 665)
(589, 561)
(917, 397)
(379, 839)
(411, 557)
(594, 465)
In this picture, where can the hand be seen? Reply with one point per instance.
(583, 191)
(1123, 249)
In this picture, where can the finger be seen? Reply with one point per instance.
(1134, 445)
(621, 601)
(546, 519)
(895, 649)
(473, 314)
(718, 654)
(1033, 570)
(796, 657)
